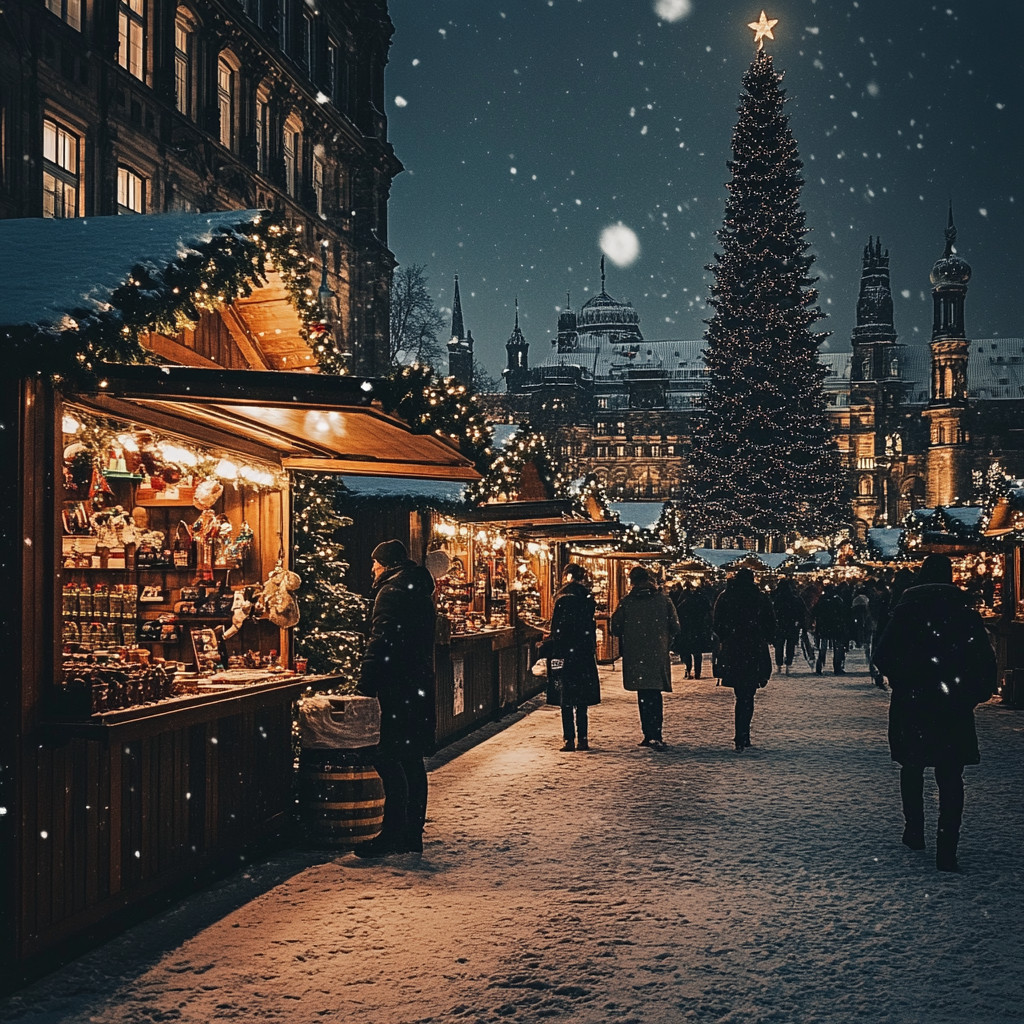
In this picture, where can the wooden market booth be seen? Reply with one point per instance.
(1005, 527)
(129, 767)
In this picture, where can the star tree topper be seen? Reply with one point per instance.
(763, 29)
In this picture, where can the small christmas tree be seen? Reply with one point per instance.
(763, 458)
(330, 632)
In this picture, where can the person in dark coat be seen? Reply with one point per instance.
(572, 646)
(832, 628)
(903, 579)
(745, 625)
(398, 669)
(694, 637)
(940, 664)
(790, 617)
(646, 623)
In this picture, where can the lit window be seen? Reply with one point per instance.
(131, 192)
(226, 102)
(60, 170)
(291, 140)
(69, 11)
(318, 184)
(131, 36)
(262, 134)
(183, 67)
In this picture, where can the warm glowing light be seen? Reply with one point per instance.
(226, 470)
(127, 442)
(70, 425)
(763, 29)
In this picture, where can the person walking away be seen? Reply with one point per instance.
(398, 669)
(572, 646)
(790, 618)
(678, 593)
(645, 623)
(694, 628)
(940, 664)
(810, 595)
(831, 629)
(745, 624)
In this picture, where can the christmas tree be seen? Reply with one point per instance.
(330, 632)
(763, 459)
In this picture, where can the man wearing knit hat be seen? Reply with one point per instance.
(398, 669)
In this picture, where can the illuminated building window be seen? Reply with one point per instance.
(292, 149)
(262, 130)
(60, 170)
(131, 192)
(131, 37)
(183, 67)
(69, 11)
(318, 184)
(226, 86)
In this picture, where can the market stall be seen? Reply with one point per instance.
(146, 718)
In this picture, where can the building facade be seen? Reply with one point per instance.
(916, 426)
(152, 106)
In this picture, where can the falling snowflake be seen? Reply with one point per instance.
(620, 244)
(401, 101)
(672, 10)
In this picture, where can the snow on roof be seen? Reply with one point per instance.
(50, 268)
(447, 491)
(501, 433)
(721, 557)
(968, 515)
(885, 540)
(644, 514)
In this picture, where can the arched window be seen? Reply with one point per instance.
(947, 383)
(866, 486)
(227, 99)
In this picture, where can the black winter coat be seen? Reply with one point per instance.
(398, 666)
(790, 613)
(573, 640)
(745, 625)
(695, 629)
(832, 619)
(937, 656)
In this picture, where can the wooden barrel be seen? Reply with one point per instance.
(341, 804)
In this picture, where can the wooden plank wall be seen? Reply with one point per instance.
(109, 823)
(480, 667)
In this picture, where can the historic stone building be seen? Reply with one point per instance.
(917, 426)
(152, 106)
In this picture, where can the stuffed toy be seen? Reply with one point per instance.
(279, 604)
(241, 608)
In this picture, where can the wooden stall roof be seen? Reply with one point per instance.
(303, 421)
(555, 519)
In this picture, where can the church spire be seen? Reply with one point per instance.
(458, 328)
(602, 276)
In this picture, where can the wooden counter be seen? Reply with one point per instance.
(120, 806)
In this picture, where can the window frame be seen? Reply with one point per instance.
(227, 100)
(132, 181)
(291, 151)
(62, 9)
(59, 173)
(131, 37)
(183, 66)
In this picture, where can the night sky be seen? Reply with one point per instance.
(527, 127)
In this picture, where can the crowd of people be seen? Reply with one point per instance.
(918, 631)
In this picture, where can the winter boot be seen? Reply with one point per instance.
(945, 849)
(913, 837)
(583, 743)
(568, 746)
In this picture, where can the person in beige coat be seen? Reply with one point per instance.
(645, 623)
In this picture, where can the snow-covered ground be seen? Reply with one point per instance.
(617, 885)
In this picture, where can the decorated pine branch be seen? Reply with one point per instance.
(526, 452)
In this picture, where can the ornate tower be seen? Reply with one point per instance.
(876, 390)
(568, 340)
(460, 347)
(948, 466)
(518, 349)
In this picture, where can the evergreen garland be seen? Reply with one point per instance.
(330, 632)
(168, 298)
(763, 459)
(502, 477)
(441, 406)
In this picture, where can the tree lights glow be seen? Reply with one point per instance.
(763, 458)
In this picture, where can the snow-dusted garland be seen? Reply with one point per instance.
(203, 278)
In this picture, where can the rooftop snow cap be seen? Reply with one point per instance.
(390, 552)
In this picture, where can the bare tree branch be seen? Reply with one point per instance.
(415, 321)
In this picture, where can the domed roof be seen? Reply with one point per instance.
(949, 267)
(602, 310)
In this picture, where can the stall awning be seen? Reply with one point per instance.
(722, 557)
(555, 519)
(302, 421)
(446, 492)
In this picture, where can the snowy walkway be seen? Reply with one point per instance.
(620, 885)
